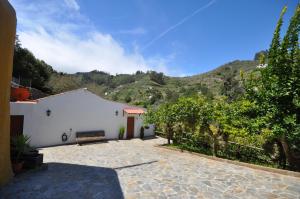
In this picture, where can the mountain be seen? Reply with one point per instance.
(140, 88)
(150, 87)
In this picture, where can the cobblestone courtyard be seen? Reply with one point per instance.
(138, 169)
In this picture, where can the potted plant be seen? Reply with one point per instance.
(142, 132)
(32, 159)
(121, 132)
(19, 145)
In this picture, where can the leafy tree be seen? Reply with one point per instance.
(122, 79)
(163, 118)
(187, 112)
(157, 77)
(231, 87)
(277, 89)
(27, 67)
(115, 97)
(139, 72)
(153, 95)
(258, 55)
(171, 96)
(127, 98)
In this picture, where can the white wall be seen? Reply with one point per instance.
(150, 131)
(27, 111)
(78, 110)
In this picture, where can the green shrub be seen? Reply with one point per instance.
(121, 132)
(245, 153)
(157, 77)
(19, 145)
(127, 99)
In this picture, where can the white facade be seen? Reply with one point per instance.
(70, 112)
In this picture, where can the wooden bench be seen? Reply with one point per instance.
(89, 136)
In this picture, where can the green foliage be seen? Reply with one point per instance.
(127, 99)
(153, 94)
(122, 79)
(138, 85)
(239, 127)
(63, 82)
(150, 117)
(260, 54)
(115, 97)
(30, 70)
(157, 77)
(231, 86)
(276, 90)
(121, 132)
(171, 96)
(19, 145)
(231, 130)
(40, 75)
(186, 111)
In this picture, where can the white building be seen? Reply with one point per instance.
(47, 119)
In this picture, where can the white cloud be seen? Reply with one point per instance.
(69, 53)
(67, 40)
(72, 4)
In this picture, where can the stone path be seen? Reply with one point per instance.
(137, 169)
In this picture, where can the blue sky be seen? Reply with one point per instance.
(177, 37)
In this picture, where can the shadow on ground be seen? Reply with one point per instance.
(65, 181)
(92, 142)
(135, 165)
(150, 138)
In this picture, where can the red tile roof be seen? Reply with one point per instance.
(134, 110)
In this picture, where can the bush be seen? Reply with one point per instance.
(231, 150)
(121, 132)
(19, 145)
(245, 153)
(157, 77)
(127, 99)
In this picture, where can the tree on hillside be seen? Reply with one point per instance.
(277, 90)
(127, 98)
(153, 95)
(171, 96)
(259, 54)
(157, 77)
(231, 86)
(27, 67)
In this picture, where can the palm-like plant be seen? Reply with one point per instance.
(19, 145)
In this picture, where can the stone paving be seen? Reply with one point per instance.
(138, 169)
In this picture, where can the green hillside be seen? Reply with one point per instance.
(142, 88)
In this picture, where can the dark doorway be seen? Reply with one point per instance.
(130, 127)
(16, 125)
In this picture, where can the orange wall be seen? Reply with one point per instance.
(7, 38)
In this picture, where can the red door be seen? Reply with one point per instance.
(16, 125)
(130, 127)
